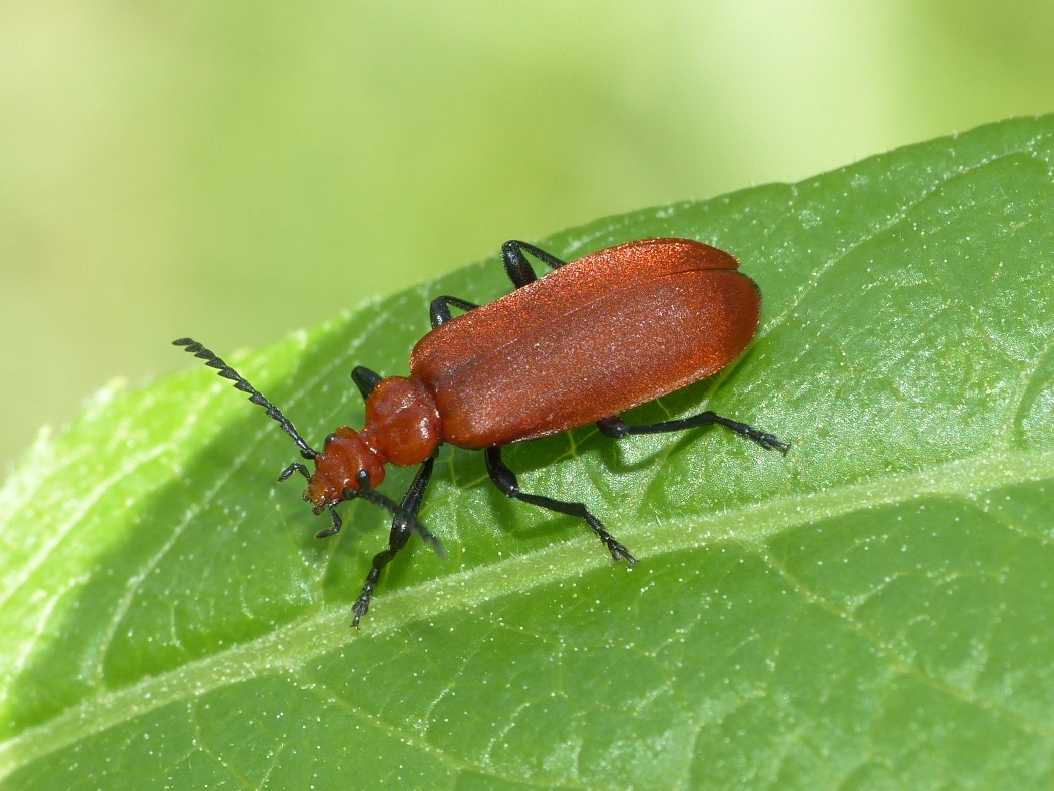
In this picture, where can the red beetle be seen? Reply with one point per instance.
(595, 337)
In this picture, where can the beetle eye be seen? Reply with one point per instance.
(364, 479)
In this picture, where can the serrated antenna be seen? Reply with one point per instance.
(255, 396)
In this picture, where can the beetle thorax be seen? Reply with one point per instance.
(402, 427)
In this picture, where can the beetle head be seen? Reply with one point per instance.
(338, 468)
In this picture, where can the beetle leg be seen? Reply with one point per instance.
(397, 538)
(518, 269)
(439, 310)
(365, 380)
(617, 428)
(505, 480)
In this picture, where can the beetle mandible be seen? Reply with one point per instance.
(589, 340)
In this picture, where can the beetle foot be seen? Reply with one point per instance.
(769, 441)
(362, 605)
(619, 552)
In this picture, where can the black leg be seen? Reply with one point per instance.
(365, 380)
(397, 538)
(505, 480)
(520, 272)
(615, 427)
(439, 310)
(517, 268)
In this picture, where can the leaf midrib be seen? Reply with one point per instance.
(294, 644)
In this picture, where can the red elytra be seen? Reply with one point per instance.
(595, 337)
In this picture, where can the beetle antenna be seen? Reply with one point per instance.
(240, 382)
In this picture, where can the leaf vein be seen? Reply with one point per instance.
(301, 641)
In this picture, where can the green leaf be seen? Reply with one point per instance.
(873, 610)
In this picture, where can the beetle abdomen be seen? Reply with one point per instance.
(590, 360)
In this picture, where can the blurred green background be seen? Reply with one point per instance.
(235, 170)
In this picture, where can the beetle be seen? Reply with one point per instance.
(591, 339)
